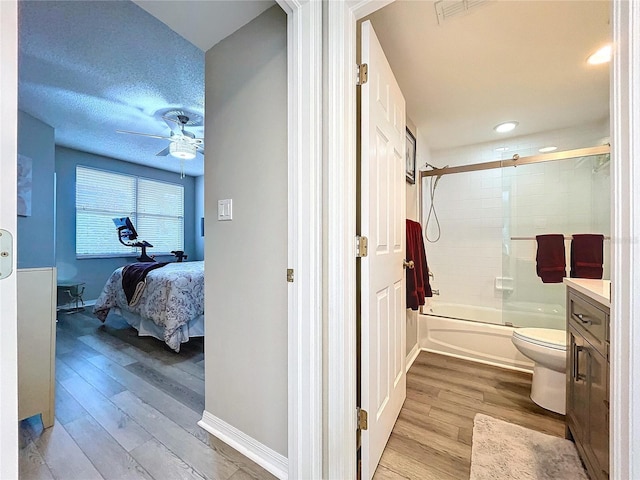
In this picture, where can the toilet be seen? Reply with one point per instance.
(548, 350)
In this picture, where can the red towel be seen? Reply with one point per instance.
(586, 256)
(550, 258)
(418, 286)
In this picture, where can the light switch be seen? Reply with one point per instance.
(225, 209)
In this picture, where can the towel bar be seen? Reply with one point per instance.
(533, 238)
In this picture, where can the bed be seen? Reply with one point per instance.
(170, 308)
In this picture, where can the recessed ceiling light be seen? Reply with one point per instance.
(548, 149)
(502, 149)
(602, 55)
(505, 127)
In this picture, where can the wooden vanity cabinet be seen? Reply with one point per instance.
(588, 381)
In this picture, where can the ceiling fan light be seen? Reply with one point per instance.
(182, 150)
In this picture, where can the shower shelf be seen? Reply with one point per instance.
(504, 284)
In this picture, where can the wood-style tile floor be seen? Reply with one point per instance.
(432, 437)
(126, 408)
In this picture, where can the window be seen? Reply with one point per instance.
(156, 210)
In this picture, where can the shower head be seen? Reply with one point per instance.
(427, 164)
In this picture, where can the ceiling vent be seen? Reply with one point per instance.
(448, 8)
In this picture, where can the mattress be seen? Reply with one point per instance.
(171, 301)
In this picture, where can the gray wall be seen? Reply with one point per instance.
(36, 233)
(412, 214)
(246, 258)
(423, 155)
(95, 271)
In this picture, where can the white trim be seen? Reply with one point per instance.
(479, 360)
(413, 354)
(8, 295)
(340, 278)
(304, 62)
(268, 459)
(340, 203)
(625, 305)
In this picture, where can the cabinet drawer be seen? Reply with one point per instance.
(590, 319)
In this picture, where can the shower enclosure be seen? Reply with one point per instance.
(488, 215)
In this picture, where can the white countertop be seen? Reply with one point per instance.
(598, 290)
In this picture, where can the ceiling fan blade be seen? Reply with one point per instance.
(144, 134)
(200, 148)
(163, 153)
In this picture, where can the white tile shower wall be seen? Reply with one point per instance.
(477, 210)
(468, 256)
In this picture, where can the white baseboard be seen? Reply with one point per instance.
(268, 459)
(413, 354)
(478, 360)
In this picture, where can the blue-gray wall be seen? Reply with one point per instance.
(199, 247)
(95, 271)
(36, 233)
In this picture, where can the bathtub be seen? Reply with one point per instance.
(443, 329)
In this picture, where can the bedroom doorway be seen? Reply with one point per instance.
(303, 26)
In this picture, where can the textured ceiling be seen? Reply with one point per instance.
(89, 68)
(501, 60)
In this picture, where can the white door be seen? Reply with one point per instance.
(383, 301)
(8, 159)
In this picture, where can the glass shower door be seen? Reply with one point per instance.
(558, 197)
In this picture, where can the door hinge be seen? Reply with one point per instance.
(362, 419)
(290, 275)
(362, 74)
(361, 246)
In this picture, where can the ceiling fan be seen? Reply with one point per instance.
(182, 143)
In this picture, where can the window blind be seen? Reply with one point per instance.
(155, 208)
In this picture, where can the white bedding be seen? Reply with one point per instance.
(173, 297)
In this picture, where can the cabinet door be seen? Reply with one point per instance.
(598, 413)
(578, 391)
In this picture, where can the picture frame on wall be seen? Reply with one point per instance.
(410, 158)
(24, 185)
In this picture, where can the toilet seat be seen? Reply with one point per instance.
(544, 337)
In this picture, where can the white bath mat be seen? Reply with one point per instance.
(504, 451)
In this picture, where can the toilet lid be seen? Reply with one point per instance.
(545, 337)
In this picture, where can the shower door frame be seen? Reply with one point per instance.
(518, 161)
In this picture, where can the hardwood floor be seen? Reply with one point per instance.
(432, 436)
(126, 408)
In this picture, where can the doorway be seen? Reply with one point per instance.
(340, 48)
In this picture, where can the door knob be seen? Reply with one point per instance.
(410, 265)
